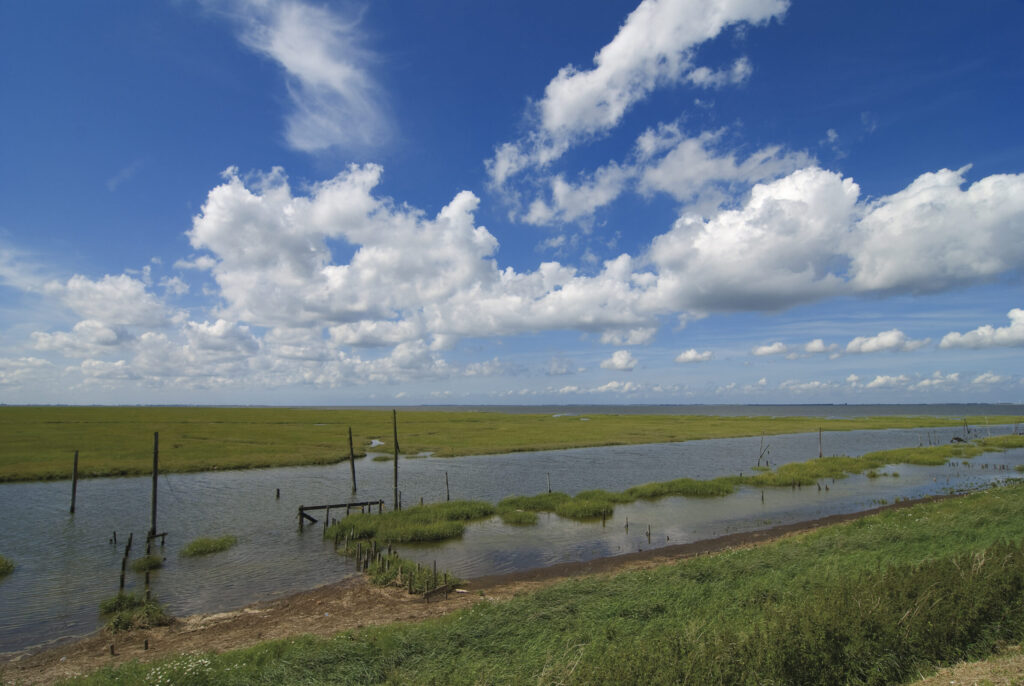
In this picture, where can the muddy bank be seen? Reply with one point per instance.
(352, 604)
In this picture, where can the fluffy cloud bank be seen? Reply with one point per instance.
(988, 336)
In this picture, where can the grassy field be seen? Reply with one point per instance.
(39, 442)
(876, 601)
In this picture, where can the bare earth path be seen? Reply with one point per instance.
(350, 604)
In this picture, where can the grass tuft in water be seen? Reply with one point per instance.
(147, 563)
(127, 611)
(208, 546)
(6, 566)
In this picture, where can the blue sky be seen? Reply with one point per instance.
(689, 201)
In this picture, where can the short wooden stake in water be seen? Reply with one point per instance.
(278, 496)
(352, 459)
(394, 426)
(156, 458)
(74, 482)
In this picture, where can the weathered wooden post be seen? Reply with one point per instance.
(820, 454)
(156, 458)
(74, 482)
(447, 493)
(549, 482)
(394, 425)
(352, 459)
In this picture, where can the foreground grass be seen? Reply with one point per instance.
(873, 601)
(208, 546)
(39, 441)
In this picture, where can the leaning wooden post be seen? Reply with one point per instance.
(394, 425)
(156, 458)
(74, 482)
(352, 459)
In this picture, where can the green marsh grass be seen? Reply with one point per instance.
(127, 611)
(147, 563)
(6, 566)
(113, 441)
(432, 522)
(208, 546)
(871, 601)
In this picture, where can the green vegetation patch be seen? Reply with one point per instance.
(147, 563)
(127, 611)
(6, 566)
(208, 546)
(39, 441)
(872, 601)
(433, 522)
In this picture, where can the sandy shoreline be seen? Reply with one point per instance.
(352, 604)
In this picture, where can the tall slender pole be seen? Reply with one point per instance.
(352, 459)
(74, 483)
(447, 493)
(820, 454)
(394, 424)
(156, 459)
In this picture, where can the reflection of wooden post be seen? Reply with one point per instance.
(394, 425)
(352, 459)
(74, 483)
(156, 458)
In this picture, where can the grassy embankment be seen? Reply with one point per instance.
(39, 441)
(365, 535)
(875, 601)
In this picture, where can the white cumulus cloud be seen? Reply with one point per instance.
(892, 340)
(621, 360)
(988, 336)
(692, 355)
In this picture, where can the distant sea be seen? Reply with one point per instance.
(828, 411)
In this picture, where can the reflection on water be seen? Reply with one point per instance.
(66, 564)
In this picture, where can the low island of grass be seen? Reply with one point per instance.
(208, 546)
(6, 566)
(39, 442)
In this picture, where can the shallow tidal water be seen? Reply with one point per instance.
(66, 564)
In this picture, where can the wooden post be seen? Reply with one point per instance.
(820, 454)
(549, 482)
(447, 493)
(352, 459)
(394, 425)
(278, 496)
(74, 482)
(156, 458)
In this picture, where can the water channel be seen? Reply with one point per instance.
(66, 564)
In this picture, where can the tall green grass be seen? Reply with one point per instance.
(867, 602)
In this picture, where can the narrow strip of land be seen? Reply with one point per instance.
(39, 442)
